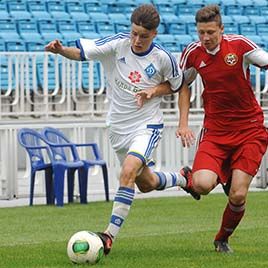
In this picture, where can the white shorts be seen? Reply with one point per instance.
(140, 144)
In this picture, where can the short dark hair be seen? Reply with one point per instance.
(209, 13)
(146, 16)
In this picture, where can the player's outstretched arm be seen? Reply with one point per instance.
(157, 91)
(183, 131)
(56, 47)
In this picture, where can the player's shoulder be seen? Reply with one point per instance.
(192, 47)
(238, 40)
(162, 53)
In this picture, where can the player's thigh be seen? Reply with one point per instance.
(208, 166)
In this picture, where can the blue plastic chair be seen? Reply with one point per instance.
(54, 136)
(64, 157)
(34, 144)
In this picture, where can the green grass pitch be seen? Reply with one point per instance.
(169, 232)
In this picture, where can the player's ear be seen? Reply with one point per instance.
(222, 28)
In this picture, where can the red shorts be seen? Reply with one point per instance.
(221, 151)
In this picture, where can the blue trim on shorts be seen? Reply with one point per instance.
(155, 126)
(141, 157)
(152, 142)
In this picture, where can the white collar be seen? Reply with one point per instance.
(214, 51)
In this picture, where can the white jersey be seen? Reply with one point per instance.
(128, 73)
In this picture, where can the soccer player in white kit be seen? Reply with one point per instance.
(135, 67)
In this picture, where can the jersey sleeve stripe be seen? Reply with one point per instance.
(110, 38)
(186, 53)
(82, 53)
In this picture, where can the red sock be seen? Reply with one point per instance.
(231, 217)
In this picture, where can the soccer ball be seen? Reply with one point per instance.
(85, 247)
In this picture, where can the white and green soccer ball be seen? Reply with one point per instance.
(85, 247)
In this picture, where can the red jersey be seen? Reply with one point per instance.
(228, 99)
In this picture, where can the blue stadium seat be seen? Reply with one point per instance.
(251, 10)
(68, 29)
(91, 35)
(262, 29)
(245, 2)
(85, 27)
(209, 2)
(231, 28)
(228, 2)
(18, 9)
(28, 30)
(191, 28)
(3, 6)
(183, 40)
(122, 27)
(77, 11)
(38, 9)
(187, 18)
(179, 2)
(15, 46)
(48, 36)
(187, 10)
(240, 19)
(177, 28)
(165, 40)
(247, 29)
(233, 10)
(264, 10)
(123, 7)
(57, 10)
(226, 19)
(99, 17)
(118, 18)
(120, 21)
(2, 48)
(105, 28)
(8, 30)
(47, 26)
(260, 2)
(169, 18)
(256, 19)
(166, 8)
(162, 28)
(94, 7)
(4, 15)
(35, 46)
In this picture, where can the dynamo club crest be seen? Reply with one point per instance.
(150, 70)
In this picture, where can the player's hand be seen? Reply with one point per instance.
(187, 136)
(54, 46)
(143, 96)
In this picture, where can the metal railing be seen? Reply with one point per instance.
(46, 85)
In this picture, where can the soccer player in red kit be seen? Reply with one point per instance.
(234, 138)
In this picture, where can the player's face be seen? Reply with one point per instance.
(141, 38)
(210, 34)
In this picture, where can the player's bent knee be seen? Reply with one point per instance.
(237, 197)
